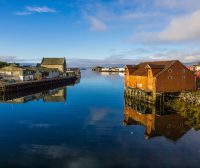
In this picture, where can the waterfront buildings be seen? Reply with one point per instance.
(97, 68)
(194, 67)
(160, 77)
(49, 68)
(58, 63)
(73, 71)
(16, 73)
(108, 69)
(44, 73)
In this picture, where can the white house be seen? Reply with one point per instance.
(17, 73)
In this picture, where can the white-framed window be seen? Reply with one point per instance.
(183, 70)
(170, 70)
(170, 77)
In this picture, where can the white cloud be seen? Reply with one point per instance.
(182, 28)
(39, 9)
(82, 162)
(8, 58)
(97, 24)
(36, 9)
(182, 55)
(136, 15)
(11, 59)
(178, 4)
(50, 151)
(98, 115)
(23, 13)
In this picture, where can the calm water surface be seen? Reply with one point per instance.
(88, 125)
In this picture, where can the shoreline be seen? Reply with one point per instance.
(32, 85)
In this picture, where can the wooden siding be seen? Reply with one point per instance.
(176, 79)
(141, 82)
(61, 68)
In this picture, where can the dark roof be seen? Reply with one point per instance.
(53, 61)
(130, 66)
(154, 66)
(42, 69)
(162, 65)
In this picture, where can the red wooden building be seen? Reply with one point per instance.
(160, 77)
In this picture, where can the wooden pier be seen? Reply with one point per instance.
(161, 98)
(149, 96)
(44, 84)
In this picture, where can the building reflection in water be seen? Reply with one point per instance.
(157, 121)
(54, 95)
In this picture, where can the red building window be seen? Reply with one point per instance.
(170, 70)
(170, 77)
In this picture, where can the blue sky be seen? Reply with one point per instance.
(117, 31)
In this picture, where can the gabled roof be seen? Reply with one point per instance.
(130, 66)
(154, 66)
(161, 66)
(53, 61)
(12, 68)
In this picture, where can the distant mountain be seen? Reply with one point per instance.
(28, 64)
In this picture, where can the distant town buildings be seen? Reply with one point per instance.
(108, 69)
(195, 69)
(73, 71)
(97, 68)
(49, 68)
(160, 77)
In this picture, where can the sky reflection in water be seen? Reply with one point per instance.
(89, 126)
